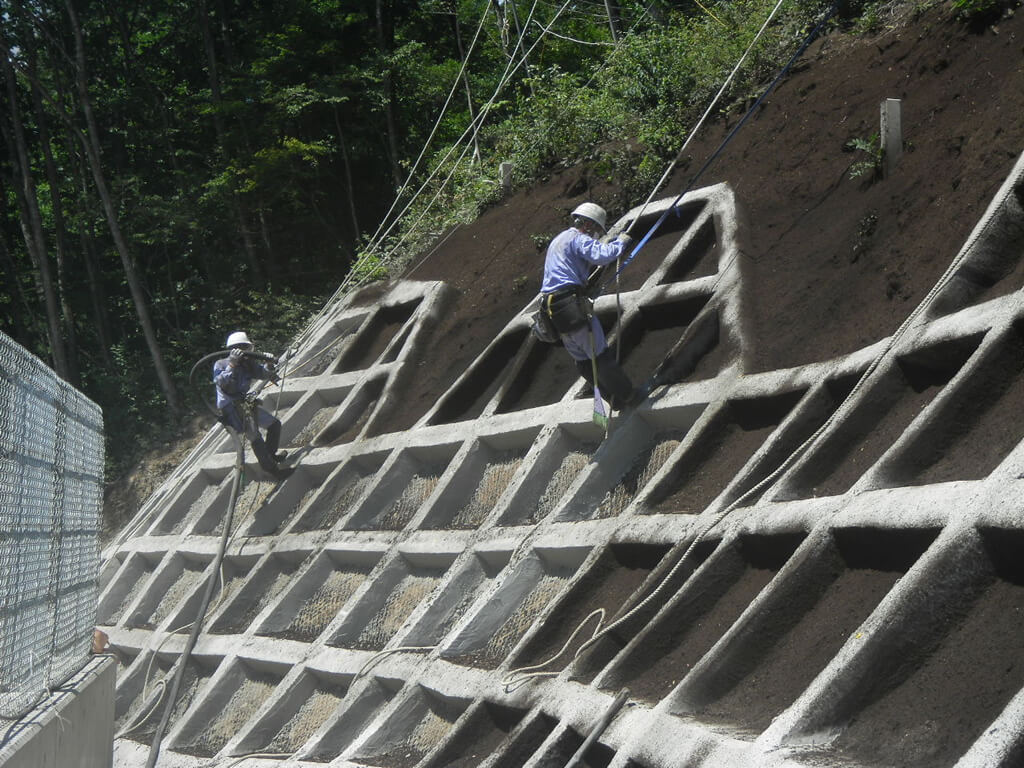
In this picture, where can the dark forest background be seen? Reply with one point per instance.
(173, 170)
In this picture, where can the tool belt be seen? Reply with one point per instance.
(569, 309)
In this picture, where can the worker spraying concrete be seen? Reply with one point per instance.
(240, 410)
(571, 256)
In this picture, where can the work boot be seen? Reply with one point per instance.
(264, 456)
(613, 380)
(273, 437)
(586, 370)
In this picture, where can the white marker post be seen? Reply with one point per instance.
(891, 135)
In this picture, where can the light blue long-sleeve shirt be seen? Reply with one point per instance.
(572, 255)
(234, 381)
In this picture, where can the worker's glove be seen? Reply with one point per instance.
(626, 240)
(235, 357)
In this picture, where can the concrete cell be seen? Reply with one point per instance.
(238, 694)
(316, 596)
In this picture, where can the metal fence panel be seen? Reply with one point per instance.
(51, 481)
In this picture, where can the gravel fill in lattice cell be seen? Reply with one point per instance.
(316, 423)
(516, 625)
(638, 475)
(314, 711)
(329, 510)
(572, 464)
(190, 575)
(438, 716)
(402, 601)
(495, 479)
(226, 719)
(396, 516)
(322, 606)
(195, 676)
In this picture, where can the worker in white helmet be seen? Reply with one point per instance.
(233, 375)
(571, 257)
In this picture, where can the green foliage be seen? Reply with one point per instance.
(866, 167)
(983, 10)
(240, 182)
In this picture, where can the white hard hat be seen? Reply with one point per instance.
(237, 338)
(592, 212)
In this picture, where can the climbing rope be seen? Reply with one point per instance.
(181, 664)
(522, 675)
(721, 147)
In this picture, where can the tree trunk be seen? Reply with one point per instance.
(465, 79)
(86, 237)
(348, 174)
(31, 220)
(385, 35)
(92, 151)
(613, 18)
(238, 206)
(60, 229)
(23, 313)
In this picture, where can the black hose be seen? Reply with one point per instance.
(264, 356)
(197, 625)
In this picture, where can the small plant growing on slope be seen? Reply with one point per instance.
(871, 166)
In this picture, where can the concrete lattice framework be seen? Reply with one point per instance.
(373, 603)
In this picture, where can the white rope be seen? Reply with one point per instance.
(437, 123)
(947, 275)
(547, 31)
(707, 112)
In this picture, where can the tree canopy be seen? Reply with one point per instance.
(171, 171)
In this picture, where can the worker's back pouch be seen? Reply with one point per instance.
(569, 312)
(543, 328)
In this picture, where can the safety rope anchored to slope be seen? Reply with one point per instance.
(519, 676)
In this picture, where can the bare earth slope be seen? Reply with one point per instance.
(834, 264)
(838, 263)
